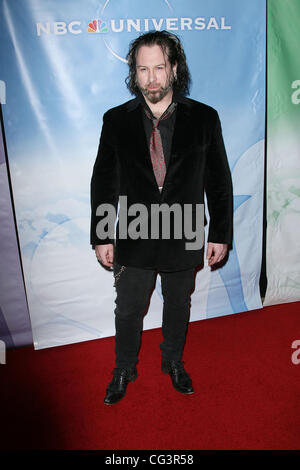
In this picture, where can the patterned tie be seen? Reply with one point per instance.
(156, 147)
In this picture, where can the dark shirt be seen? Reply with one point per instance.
(166, 129)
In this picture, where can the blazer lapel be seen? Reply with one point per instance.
(137, 134)
(182, 128)
(138, 137)
(181, 132)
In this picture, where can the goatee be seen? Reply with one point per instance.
(156, 96)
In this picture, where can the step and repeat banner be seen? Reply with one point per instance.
(283, 153)
(15, 327)
(64, 66)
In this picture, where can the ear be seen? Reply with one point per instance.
(174, 68)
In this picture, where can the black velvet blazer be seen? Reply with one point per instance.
(198, 164)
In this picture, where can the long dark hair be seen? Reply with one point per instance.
(172, 47)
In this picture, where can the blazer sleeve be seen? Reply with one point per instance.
(105, 180)
(218, 188)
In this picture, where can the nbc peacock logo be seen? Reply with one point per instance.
(97, 26)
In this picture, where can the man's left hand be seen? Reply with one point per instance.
(216, 252)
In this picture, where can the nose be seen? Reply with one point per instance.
(152, 75)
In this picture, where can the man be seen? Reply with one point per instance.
(159, 148)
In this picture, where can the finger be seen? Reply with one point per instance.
(110, 256)
(103, 259)
(209, 252)
(211, 261)
(218, 257)
(108, 261)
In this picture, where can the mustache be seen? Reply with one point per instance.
(159, 88)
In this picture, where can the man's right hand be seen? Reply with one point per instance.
(105, 254)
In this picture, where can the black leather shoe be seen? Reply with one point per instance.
(117, 387)
(180, 378)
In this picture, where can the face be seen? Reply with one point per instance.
(154, 74)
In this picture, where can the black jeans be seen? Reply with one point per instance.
(133, 288)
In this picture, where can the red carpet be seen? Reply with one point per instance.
(247, 391)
